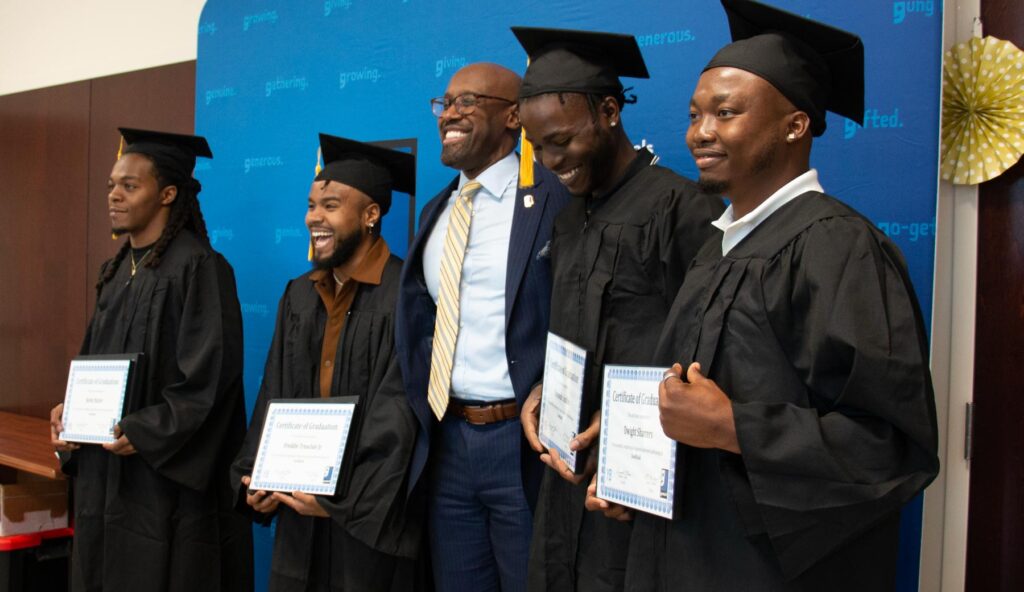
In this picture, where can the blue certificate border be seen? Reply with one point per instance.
(278, 408)
(557, 345)
(87, 366)
(660, 507)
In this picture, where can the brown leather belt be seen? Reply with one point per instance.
(484, 414)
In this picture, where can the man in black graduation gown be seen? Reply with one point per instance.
(334, 337)
(153, 511)
(619, 251)
(800, 392)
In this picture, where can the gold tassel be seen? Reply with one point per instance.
(525, 163)
(525, 157)
(317, 168)
(120, 150)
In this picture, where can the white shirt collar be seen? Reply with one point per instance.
(497, 177)
(734, 231)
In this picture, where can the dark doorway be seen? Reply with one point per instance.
(995, 532)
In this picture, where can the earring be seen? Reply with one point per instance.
(791, 136)
(615, 123)
(370, 225)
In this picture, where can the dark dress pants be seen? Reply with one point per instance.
(479, 519)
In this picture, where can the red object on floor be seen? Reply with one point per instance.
(34, 539)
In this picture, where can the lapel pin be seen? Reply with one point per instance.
(528, 200)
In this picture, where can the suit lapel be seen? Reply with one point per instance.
(428, 218)
(525, 222)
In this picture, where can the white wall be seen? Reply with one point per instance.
(49, 42)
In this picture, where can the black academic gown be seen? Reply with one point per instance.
(617, 262)
(810, 325)
(162, 519)
(372, 539)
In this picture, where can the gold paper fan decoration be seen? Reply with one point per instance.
(982, 110)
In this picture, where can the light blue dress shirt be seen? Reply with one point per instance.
(480, 367)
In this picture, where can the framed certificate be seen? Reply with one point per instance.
(95, 396)
(560, 405)
(637, 462)
(302, 445)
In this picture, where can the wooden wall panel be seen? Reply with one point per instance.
(57, 146)
(43, 168)
(995, 530)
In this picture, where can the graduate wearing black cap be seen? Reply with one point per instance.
(334, 337)
(800, 387)
(152, 511)
(620, 250)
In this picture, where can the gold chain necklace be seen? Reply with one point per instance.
(136, 264)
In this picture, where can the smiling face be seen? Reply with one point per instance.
(740, 130)
(473, 142)
(571, 139)
(337, 219)
(137, 205)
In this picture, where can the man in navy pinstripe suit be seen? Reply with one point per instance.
(478, 474)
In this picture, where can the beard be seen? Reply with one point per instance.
(712, 186)
(345, 247)
(764, 160)
(455, 156)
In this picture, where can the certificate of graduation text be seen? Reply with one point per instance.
(94, 400)
(637, 461)
(301, 447)
(562, 396)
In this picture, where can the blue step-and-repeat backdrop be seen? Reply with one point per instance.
(271, 74)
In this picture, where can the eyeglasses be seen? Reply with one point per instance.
(464, 104)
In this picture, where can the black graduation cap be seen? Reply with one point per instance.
(372, 169)
(817, 67)
(565, 60)
(174, 154)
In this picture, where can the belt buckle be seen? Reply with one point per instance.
(471, 420)
(478, 415)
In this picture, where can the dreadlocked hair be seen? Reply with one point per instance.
(108, 271)
(185, 213)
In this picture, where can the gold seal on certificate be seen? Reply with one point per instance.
(637, 461)
(302, 445)
(562, 398)
(95, 396)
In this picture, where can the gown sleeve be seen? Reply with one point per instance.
(181, 436)
(371, 502)
(863, 439)
(271, 387)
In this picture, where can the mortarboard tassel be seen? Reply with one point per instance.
(317, 168)
(525, 162)
(120, 151)
(525, 157)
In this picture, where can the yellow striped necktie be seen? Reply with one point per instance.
(446, 325)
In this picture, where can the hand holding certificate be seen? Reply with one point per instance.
(560, 407)
(302, 445)
(637, 461)
(95, 396)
